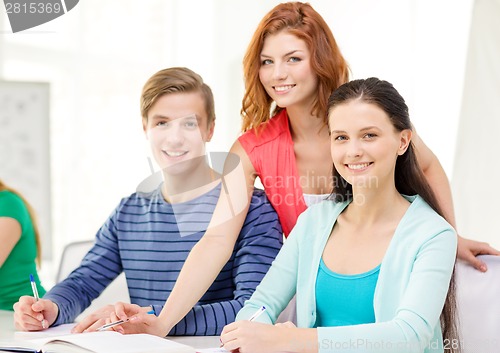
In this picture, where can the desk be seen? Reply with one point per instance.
(7, 332)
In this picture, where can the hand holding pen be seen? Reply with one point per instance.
(119, 322)
(139, 319)
(252, 318)
(31, 313)
(37, 298)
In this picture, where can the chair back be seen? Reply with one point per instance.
(71, 258)
(478, 303)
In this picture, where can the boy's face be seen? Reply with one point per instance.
(177, 131)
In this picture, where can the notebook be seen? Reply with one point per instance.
(96, 342)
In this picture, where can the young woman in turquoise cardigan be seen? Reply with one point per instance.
(372, 267)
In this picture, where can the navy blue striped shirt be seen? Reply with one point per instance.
(149, 239)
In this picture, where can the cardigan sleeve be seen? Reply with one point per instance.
(418, 312)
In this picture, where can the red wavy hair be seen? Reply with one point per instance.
(332, 70)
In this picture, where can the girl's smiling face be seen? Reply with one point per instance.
(285, 70)
(365, 144)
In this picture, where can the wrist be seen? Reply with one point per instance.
(165, 324)
(53, 314)
(302, 340)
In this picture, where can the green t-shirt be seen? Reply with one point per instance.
(15, 271)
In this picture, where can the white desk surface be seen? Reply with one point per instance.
(7, 332)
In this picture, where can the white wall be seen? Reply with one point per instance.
(476, 171)
(98, 56)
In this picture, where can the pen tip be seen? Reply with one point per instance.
(31, 278)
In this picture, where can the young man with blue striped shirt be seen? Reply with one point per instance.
(150, 234)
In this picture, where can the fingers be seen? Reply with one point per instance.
(25, 322)
(93, 321)
(468, 256)
(230, 327)
(30, 315)
(84, 324)
(468, 250)
(487, 249)
(120, 309)
(105, 321)
(97, 324)
(119, 328)
(231, 344)
(228, 336)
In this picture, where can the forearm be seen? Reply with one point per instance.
(75, 293)
(10, 233)
(207, 319)
(200, 269)
(440, 185)
(436, 177)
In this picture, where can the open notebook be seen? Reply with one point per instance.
(96, 342)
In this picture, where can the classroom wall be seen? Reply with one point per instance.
(97, 57)
(476, 170)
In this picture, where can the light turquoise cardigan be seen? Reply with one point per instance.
(410, 292)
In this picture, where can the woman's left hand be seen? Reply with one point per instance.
(255, 337)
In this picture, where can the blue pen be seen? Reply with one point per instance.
(33, 287)
(119, 322)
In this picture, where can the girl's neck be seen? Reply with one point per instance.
(179, 188)
(304, 125)
(371, 206)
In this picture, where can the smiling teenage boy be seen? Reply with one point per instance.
(149, 235)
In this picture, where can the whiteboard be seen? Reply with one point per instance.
(25, 148)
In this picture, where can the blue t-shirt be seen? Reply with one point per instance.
(343, 300)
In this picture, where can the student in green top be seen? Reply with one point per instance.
(20, 250)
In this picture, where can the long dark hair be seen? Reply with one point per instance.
(409, 178)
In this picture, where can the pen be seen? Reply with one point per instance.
(253, 317)
(119, 322)
(35, 293)
(33, 287)
(257, 313)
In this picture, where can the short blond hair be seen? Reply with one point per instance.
(176, 80)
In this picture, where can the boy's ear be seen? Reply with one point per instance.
(211, 128)
(404, 142)
(145, 127)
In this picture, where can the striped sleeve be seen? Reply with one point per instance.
(100, 266)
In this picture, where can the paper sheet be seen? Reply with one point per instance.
(52, 331)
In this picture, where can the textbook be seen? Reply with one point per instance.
(96, 342)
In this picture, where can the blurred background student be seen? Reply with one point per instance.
(20, 248)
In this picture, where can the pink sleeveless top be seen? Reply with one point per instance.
(272, 156)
